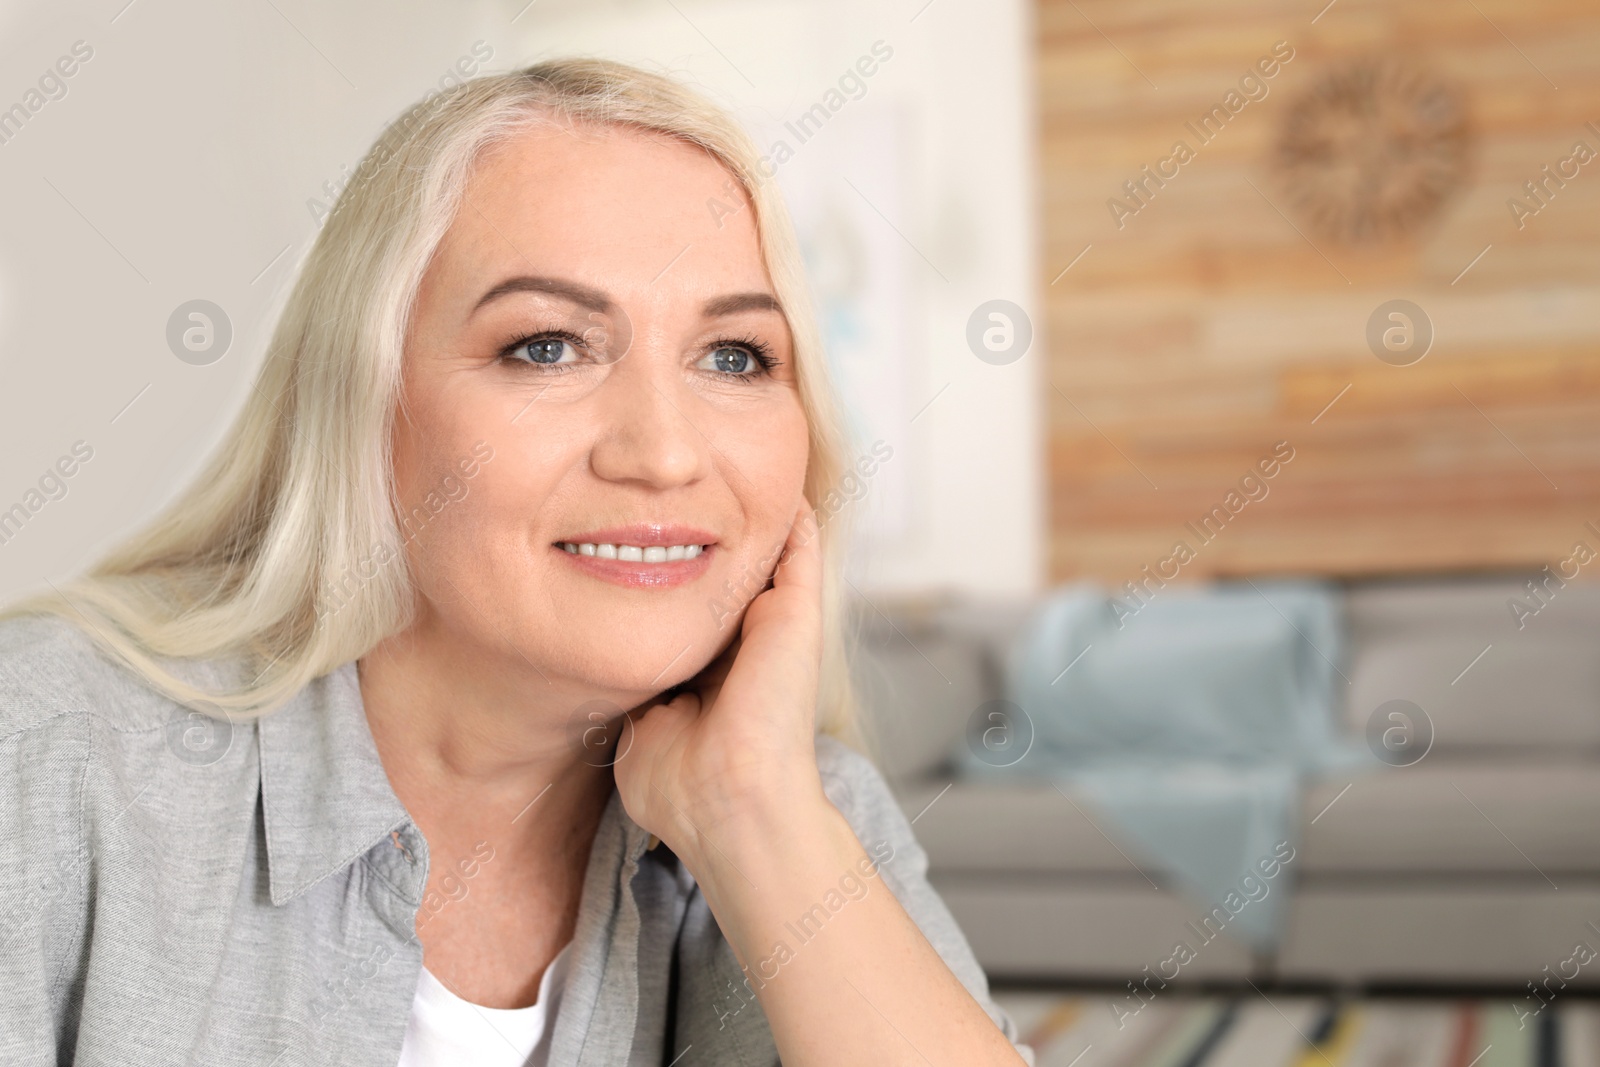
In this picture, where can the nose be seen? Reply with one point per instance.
(648, 437)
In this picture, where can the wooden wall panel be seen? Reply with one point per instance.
(1217, 321)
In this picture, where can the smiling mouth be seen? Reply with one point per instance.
(632, 553)
(641, 555)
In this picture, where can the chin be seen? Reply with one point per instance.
(635, 658)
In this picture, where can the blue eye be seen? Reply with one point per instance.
(542, 350)
(732, 360)
(735, 361)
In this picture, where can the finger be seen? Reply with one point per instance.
(671, 704)
(800, 564)
(658, 724)
(788, 617)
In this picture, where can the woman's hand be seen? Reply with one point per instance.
(726, 775)
(738, 743)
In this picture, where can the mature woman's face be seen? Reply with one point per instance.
(600, 316)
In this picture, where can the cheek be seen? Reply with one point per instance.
(770, 456)
(470, 482)
(478, 560)
(495, 508)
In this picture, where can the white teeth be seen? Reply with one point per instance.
(633, 553)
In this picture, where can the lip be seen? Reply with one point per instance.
(642, 575)
(645, 534)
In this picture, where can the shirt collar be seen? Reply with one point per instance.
(324, 792)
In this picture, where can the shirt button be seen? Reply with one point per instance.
(402, 842)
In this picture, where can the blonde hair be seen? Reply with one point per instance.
(300, 494)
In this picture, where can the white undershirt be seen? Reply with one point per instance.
(446, 1031)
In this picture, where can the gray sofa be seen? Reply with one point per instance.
(1477, 864)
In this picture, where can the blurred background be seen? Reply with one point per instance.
(1228, 628)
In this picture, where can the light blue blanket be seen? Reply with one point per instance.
(1189, 724)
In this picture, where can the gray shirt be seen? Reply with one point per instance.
(176, 889)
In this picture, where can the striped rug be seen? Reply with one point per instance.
(1080, 1030)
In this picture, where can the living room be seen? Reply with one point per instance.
(1222, 488)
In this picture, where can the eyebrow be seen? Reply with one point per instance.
(595, 300)
(582, 295)
(737, 302)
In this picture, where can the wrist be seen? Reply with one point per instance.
(773, 886)
(750, 826)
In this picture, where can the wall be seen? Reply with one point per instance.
(1226, 308)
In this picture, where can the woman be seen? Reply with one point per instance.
(513, 630)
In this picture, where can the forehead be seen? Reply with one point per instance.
(636, 213)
